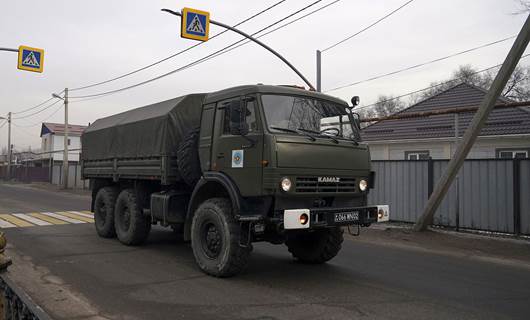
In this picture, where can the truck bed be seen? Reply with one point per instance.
(162, 168)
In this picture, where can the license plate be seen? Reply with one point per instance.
(342, 217)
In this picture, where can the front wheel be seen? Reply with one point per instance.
(315, 247)
(215, 237)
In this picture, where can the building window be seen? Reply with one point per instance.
(513, 153)
(417, 155)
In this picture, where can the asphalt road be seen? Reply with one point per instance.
(159, 280)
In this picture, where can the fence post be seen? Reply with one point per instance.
(75, 176)
(50, 171)
(517, 196)
(430, 176)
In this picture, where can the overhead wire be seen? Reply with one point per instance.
(368, 27)
(434, 86)
(200, 60)
(275, 29)
(177, 53)
(420, 64)
(38, 111)
(36, 106)
(43, 120)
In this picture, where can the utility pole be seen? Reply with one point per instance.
(9, 147)
(65, 155)
(502, 77)
(457, 182)
(319, 71)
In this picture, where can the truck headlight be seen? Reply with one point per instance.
(363, 185)
(286, 184)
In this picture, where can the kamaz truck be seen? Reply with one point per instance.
(229, 168)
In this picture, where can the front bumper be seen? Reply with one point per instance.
(331, 217)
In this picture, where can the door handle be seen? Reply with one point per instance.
(220, 155)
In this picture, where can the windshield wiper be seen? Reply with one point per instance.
(293, 131)
(319, 134)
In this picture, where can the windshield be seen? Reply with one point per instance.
(304, 115)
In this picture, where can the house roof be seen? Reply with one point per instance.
(58, 128)
(510, 121)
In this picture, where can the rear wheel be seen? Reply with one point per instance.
(316, 247)
(104, 211)
(132, 227)
(215, 237)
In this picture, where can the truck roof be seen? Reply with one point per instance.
(261, 88)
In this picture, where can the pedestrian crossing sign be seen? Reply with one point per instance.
(30, 59)
(195, 24)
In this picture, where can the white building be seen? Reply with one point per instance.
(52, 145)
(505, 135)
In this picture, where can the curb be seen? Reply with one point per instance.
(19, 304)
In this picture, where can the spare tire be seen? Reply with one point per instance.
(188, 161)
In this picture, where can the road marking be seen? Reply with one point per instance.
(31, 219)
(47, 218)
(76, 216)
(16, 221)
(5, 224)
(60, 216)
(82, 213)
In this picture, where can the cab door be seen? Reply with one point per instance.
(239, 154)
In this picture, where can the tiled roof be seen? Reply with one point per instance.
(510, 121)
(58, 128)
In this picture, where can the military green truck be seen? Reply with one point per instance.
(229, 168)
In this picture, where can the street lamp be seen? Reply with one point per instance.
(65, 151)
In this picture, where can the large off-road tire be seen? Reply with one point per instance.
(316, 247)
(215, 239)
(104, 211)
(188, 161)
(132, 227)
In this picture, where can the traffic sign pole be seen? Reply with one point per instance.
(9, 49)
(256, 41)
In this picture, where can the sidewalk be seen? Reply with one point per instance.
(494, 249)
(48, 187)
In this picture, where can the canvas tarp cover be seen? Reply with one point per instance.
(153, 130)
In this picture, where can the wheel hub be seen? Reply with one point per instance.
(212, 240)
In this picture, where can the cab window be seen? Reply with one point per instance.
(250, 104)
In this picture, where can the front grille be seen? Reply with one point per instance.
(311, 184)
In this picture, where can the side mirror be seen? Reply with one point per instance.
(238, 119)
(355, 101)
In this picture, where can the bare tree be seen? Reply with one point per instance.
(517, 88)
(387, 105)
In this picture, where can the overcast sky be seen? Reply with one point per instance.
(92, 41)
